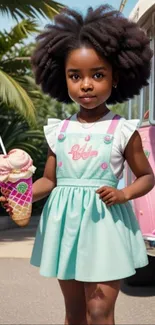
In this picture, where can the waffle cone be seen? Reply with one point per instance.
(19, 197)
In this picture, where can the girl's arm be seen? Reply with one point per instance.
(141, 168)
(43, 186)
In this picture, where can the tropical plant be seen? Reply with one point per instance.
(47, 107)
(14, 65)
(30, 8)
(13, 68)
(16, 133)
(120, 109)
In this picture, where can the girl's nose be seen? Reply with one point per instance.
(86, 85)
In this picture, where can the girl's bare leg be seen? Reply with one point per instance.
(75, 303)
(100, 299)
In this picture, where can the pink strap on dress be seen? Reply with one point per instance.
(113, 124)
(111, 128)
(65, 125)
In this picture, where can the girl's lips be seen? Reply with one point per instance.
(87, 99)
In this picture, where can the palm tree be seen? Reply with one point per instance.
(15, 88)
(16, 133)
(122, 5)
(12, 70)
(30, 8)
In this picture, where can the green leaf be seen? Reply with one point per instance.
(23, 29)
(12, 94)
(30, 8)
(16, 66)
(17, 34)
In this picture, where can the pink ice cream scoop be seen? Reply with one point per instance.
(19, 160)
(5, 168)
(15, 165)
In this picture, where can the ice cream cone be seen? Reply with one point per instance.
(16, 171)
(19, 197)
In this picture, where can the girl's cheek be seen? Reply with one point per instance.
(72, 96)
(73, 90)
(70, 86)
(71, 93)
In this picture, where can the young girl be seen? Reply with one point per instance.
(88, 236)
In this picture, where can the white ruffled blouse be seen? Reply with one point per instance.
(122, 135)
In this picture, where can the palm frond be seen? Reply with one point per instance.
(28, 83)
(17, 34)
(12, 94)
(16, 66)
(23, 29)
(16, 133)
(30, 8)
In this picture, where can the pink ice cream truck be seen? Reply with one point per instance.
(143, 107)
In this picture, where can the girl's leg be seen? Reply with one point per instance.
(75, 303)
(100, 300)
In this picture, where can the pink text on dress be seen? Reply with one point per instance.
(83, 152)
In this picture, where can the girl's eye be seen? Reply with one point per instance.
(74, 77)
(98, 75)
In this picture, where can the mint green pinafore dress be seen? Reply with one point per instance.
(78, 236)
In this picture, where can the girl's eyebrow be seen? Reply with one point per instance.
(99, 68)
(93, 69)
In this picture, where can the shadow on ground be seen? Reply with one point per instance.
(15, 233)
(138, 291)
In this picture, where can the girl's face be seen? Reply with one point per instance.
(89, 78)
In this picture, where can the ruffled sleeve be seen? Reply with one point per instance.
(50, 131)
(127, 130)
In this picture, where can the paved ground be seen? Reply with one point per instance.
(28, 298)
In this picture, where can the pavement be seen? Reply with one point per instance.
(17, 242)
(28, 298)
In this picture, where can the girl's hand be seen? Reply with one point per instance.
(111, 195)
(5, 205)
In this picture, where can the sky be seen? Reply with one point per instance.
(7, 22)
(83, 4)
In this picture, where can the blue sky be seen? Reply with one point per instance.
(7, 22)
(83, 4)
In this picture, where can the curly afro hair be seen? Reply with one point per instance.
(105, 30)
